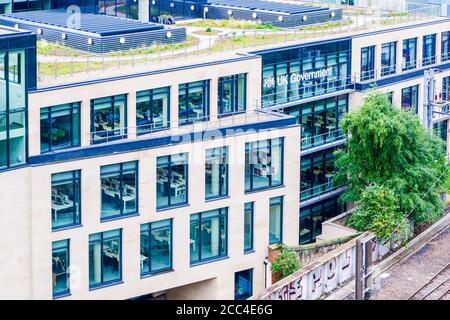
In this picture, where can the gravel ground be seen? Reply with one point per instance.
(403, 279)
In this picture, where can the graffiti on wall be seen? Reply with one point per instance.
(320, 278)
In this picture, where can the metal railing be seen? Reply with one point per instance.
(88, 65)
(317, 190)
(380, 73)
(304, 91)
(321, 139)
(175, 128)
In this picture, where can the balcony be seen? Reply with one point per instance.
(321, 140)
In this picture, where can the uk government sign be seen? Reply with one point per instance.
(283, 80)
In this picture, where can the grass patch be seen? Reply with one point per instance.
(207, 32)
(46, 48)
(233, 24)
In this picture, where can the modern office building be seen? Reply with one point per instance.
(172, 181)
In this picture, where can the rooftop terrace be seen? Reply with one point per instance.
(207, 41)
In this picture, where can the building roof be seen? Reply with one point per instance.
(270, 6)
(102, 25)
(6, 31)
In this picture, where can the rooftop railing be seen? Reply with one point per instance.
(79, 66)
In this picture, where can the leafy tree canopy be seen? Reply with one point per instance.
(388, 148)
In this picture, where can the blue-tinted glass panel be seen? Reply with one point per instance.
(275, 220)
(243, 284)
(65, 199)
(171, 180)
(60, 267)
(193, 102)
(216, 172)
(156, 246)
(152, 110)
(232, 94)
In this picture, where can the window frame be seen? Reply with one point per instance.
(233, 81)
(185, 89)
(149, 231)
(150, 94)
(406, 52)
(251, 150)
(122, 131)
(390, 68)
(120, 172)
(169, 166)
(426, 61)
(72, 106)
(66, 247)
(222, 153)
(412, 92)
(249, 207)
(76, 179)
(275, 201)
(367, 63)
(110, 282)
(221, 213)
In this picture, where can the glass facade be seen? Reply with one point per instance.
(367, 63)
(319, 120)
(232, 94)
(119, 8)
(60, 268)
(388, 58)
(445, 46)
(409, 54)
(193, 102)
(304, 72)
(152, 110)
(446, 88)
(66, 200)
(429, 50)
(248, 226)
(243, 284)
(105, 258)
(171, 180)
(311, 218)
(108, 118)
(316, 173)
(216, 172)
(119, 189)
(60, 127)
(208, 238)
(410, 98)
(156, 246)
(276, 220)
(27, 5)
(263, 164)
(12, 109)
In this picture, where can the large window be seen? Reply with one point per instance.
(429, 50)
(156, 246)
(248, 226)
(388, 58)
(232, 94)
(311, 218)
(60, 127)
(316, 175)
(119, 8)
(410, 98)
(243, 284)
(263, 164)
(119, 189)
(320, 120)
(105, 258)
(66, 189)
(193, 101)
(216, 172)
(152, 110)
(445, 46)
(208, 235)
(304, 72)
(276, 220)
(441, 129)
(409, 54)
(171, 180)
(367, 63)
(108, 118)
(60, 268)
(12, 110)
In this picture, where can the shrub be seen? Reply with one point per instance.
(285, 264)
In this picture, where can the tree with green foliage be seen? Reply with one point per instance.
(390, 156)
(285, 263)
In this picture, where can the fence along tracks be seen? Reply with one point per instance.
(437, 288)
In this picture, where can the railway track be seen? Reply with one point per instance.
(437, 288)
